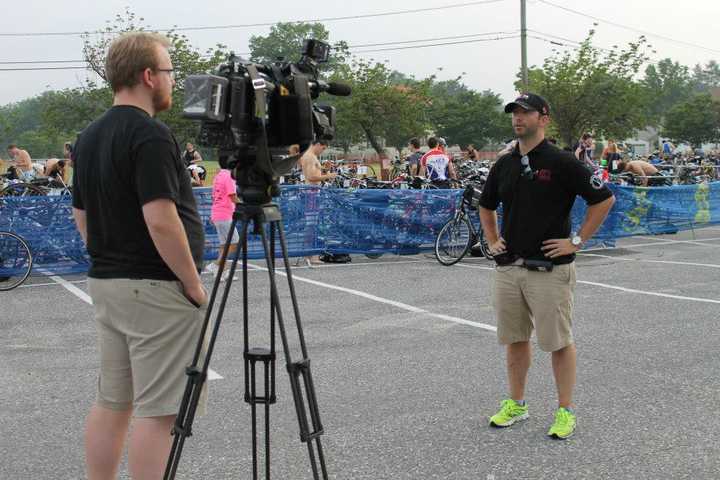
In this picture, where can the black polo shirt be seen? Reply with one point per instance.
(538, 208)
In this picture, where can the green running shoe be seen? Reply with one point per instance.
(564, 425)
(510, 412)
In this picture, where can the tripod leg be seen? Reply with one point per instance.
(252, 357)
(300, 369)
(306, 373)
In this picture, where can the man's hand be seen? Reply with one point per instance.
(498, 247)
(196, 293)
(331, 175)
(558, 247)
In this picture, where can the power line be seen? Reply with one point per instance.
(359, 51)
(439, 44)
(553, 39)
(399, 42)
(30, 69)
(619, 25)
(454, 37)
(253, 25)
(26, 62)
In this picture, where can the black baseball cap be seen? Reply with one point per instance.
(530, 102)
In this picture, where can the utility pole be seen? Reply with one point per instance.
(523, 44)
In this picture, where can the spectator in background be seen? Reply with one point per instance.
(413, 159)
(640, 168)
(23, 163)
(384, 166)
(192, 160)
(310, 164)
(312, 172)
(584, 150)
(436, 165)
(56, 169)
(191, 156)
(224, 198)
(667, 148)
(68, 153)
(473, 154)
(610, 156)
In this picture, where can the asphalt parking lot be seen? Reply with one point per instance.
(407, 370)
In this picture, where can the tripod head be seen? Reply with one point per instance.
(256, 186)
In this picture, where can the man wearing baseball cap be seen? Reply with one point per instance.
(537, 184)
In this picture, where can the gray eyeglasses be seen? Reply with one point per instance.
(169, 71)
(527, 173)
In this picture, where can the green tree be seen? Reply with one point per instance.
(707, 76)
(589, 90)
(379, 107)
(464, 116)
(696, 121)
(668, 83)
(187, 60)
(285, 42)
(22, 123)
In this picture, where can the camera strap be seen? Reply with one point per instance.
(259, 84)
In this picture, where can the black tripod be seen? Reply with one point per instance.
(262, 216)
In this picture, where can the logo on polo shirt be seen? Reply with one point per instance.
(596, 182)
(544, 175)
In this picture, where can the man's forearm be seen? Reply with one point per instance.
(81, 223)
(594, 217)
(488, 220)
(170, 240)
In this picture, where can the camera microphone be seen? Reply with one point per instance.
(333, 88)
(338, 89)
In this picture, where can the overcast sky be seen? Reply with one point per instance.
(488, 64)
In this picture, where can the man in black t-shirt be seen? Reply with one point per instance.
(537, 184)
(134, 207)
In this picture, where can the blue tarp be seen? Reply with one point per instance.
(363, 221)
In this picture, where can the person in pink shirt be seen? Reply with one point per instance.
(224, 198)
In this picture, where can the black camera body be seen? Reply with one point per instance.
(252, 112)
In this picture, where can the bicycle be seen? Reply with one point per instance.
(16, 261)
(459, 234)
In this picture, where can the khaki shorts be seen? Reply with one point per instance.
(526, 299)
(147, 333)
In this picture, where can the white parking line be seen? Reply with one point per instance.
(667, 240)
(654, 294)
(69, 287)
(339, 265)
(628, 290)
(212, 374)
(400, 305)
(660, 243)
(669, 262)
(54, 284)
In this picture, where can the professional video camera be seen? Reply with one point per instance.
(252, 112)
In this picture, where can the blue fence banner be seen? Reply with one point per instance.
(402, 222)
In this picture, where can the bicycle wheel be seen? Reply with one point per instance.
(15, 261)
(454, 240)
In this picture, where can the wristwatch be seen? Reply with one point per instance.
(576, 240)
